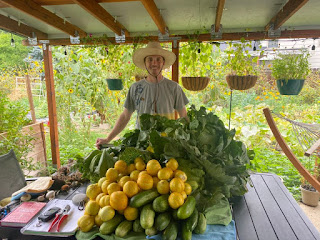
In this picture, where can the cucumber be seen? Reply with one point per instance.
(171, 232)
(108, 227)
(192, 221)
(89, 157)
(143, 198)
(161, 204)
(175, 214)
(94, 162)
(162, 221)
(151, 231)
(124, 228)
(186, 233)
(147, 217)
(202, 224)
(187, 208)
(105, 162)
(137, 227)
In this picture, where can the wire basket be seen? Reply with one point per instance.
(195, 83)
(241, 82)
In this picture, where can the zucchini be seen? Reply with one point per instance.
(108, 227)
(137, 226)
(94, 162)
(175, 214)
(161, 204)
(202, 224)
(187, 208)
(124, 228)
(89, 157)
(192, 221)
(186, 233)
(147, 217)
(162, 221)
(171, 232)
(143, 198)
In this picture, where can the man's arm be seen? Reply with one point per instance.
(183, 113)
(121, 123)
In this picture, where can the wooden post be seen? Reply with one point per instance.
(175, 66)
(29, 92)
(51, 98)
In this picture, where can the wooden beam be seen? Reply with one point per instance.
(64, 2)
(44, 15)
(13, 26)
(102, 15)
(186, 38)
(30, 98)
(291, 7)
(219, 12)
(154, 12)
(175, 66)
(287, 151)
(51, 98)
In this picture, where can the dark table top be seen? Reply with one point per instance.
(268, 211)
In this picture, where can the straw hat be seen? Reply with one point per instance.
(153, 48)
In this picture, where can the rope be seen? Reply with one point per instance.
(306, 133)
(230, 109)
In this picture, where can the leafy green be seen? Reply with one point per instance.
(204, 148)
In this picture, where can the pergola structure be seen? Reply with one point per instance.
(85, 22)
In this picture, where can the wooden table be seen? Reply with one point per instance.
(268, 211)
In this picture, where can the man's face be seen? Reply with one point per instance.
(154, 64)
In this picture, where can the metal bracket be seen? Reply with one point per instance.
(120, 38)
(33, 41)
(76, 39)
(165, 37)
(274, 32)
(214, 34)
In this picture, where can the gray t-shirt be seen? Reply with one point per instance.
(161, 98)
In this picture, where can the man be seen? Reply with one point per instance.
(153, 95)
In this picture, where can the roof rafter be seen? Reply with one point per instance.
(11, 25)
(44, 15)
(154, 12)
(291, 7)
(63, 2)
(219, 12)
(102, 15)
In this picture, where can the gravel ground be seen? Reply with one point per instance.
(313, 214)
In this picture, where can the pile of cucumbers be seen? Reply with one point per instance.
(156, 216)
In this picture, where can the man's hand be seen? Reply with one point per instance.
(100, 142)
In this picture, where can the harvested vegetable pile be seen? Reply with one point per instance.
(214, 163)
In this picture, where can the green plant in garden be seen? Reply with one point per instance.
(239, 61)
(12, 119)
(291, 66)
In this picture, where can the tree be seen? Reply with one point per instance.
(12, 57)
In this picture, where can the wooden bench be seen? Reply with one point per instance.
(268, 211)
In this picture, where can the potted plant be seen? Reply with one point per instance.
(114, 81)
(309, 195)
(242, 67)
(290, 71)
(195, 60)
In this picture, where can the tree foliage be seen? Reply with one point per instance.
(12, 57)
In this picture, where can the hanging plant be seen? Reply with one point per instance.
(196, 61)
(243, 68)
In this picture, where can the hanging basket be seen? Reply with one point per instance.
(290, 87)
(139, 77)
(236, 82)
(195, 83)
(115, 84)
